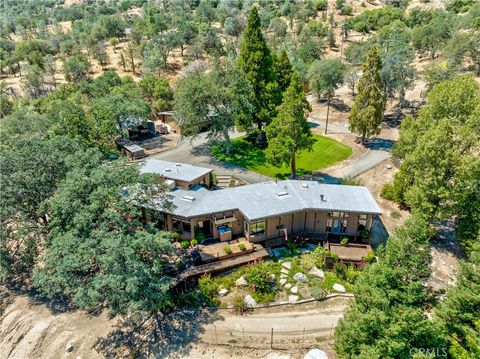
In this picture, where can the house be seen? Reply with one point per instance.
(134, 152)
(184, 175)
(267, 213)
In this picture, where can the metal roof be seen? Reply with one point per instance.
(175, 171)
(269, 199)
(133, 148)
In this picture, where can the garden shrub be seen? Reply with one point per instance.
(258, 276)
(344, 241)
(209, 290)
(185, 244)
(371, 20)
(193, 242)
(318, 293)
(241, 246)
(369, 257)
(347, 10)
(264, 297)
(227, 250)
(330, 279)
(189, 299)
(348, 273)
(239, 303)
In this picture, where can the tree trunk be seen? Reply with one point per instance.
(293, 166)
(328, 112)
(228, 143)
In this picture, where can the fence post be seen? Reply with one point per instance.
(216, 336)
(243, 333)
(271, 339)
(303, 338)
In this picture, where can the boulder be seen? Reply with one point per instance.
(283, 275)
(283, 281)
(284, 271)
(241, 282)
(250, 302)
(287, 265)
(292, 298)
(300, 277)
(272, 277)
(317, 272)
(288, 286)
(339, 288)
(223, 292)
(294, 290)
(69, 346)
(316, 354)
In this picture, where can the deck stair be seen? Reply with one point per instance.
(223, 181)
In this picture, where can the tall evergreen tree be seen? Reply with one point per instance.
(283, 69)
(367, 111)
(289, 132)
(255, 60)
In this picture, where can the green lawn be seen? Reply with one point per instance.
(325, 152)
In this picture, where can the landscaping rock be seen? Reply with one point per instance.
(284, 271)
(287, 265)
(272, 277)
(223, 292)
(283, 275)
(250, 302)
(339, 288)
(283, 281)
(241, 282)
(317, 272)
(294, 290)
(316, 354)
(69, 346)
(288, 286)
(292, 298)
(300, 277)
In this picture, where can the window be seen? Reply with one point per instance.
(180, 225)
(329, 225)
(362, 222)
(339, 214)
(344, 225)
(257, 229)
(186, 226)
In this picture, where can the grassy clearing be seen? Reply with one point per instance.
(325, 152)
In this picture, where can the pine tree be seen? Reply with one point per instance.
(282, 68)
(289, 132)
(367, 111)
(255, 60)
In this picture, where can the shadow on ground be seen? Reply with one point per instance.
(379, 233)
(379, 144)
(321, 177)
(178, 331)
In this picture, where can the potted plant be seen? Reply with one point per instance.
(344, 241)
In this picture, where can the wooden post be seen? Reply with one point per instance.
(303, 338)
(271, 339)
(216, 336)
(243, 333)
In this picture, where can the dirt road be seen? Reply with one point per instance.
(30, 330)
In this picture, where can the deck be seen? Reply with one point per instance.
(214, 252)
(349, 253)
(258, 253)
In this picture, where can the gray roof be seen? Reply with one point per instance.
(268, 199)
(134, 148)
(175, 171)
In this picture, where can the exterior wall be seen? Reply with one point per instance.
(187, 185)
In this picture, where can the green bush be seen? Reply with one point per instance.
(369, 257)
(344, 241)
(209, 289)
(193, 242)
(375, 19)
(318, 293)
(320, 5)
(264, 297)
(227, 250)
(241, 246)
(176, 235)
(348, 273)
(258, 276)
(185, 244)
(190, 299)
(239, 303)
(347, 10)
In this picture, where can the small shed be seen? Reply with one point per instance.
(134, 152)
(166, 116)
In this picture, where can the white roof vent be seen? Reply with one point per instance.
(167, 170)
(188, 198)
(281, 194)
(304, 185)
